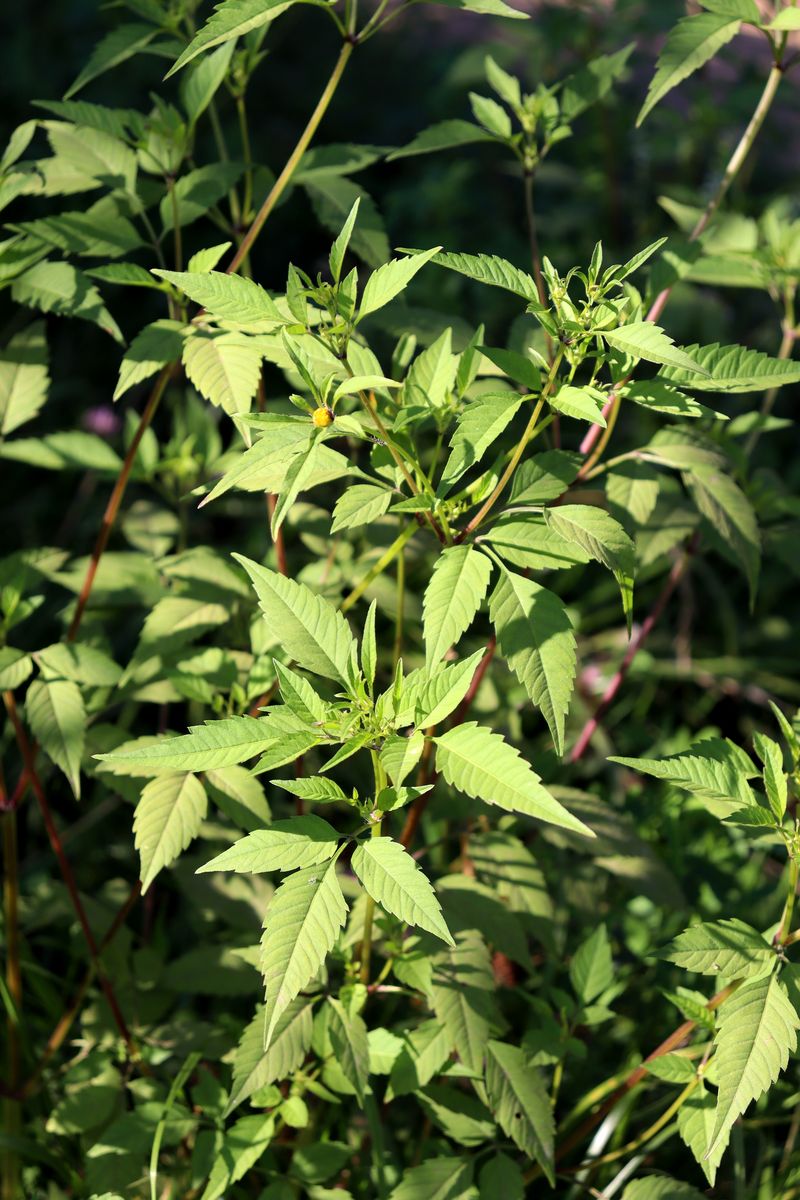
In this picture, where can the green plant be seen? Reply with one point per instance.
(440, 513)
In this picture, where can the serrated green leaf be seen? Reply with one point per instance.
(195, 193)
(712, 768)
(483, 765)
(60, 288)
(115, 48)
(348, 1035)
(445, 690)
(596, 532)
(457, 586)
(535, 637)
(583, 403)
(390, 280)
(400, 756)
(690, 44)
(695, 1127)
(230, 19)
(732, 369)
(728, 947)
(491, 270)
(255, 1068)
(397, 885)
(206, 747)
(642, 339)
(520, 1103)
(153, 347)
(229, 297)
(318, 790)
(660, 1187)
(300, 928)
(774, 776)
(480, 422)
(168, 816)
(15, 667)
(757, 1033)
(436, 1178)
(24, 378)
(58, 721)
(199, 85)
(302, 841)
(361, 504)
(240, 796)
(445, 135)
(463, 998)
(242, 1147)
(592, 968)
(723, 503)
(312, 631)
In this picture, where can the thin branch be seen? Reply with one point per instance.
(635, 645)
(66, 870)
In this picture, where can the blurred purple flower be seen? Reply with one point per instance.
(102, 420)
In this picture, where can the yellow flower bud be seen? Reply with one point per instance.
(322, 417)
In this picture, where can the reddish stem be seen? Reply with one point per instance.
(635, 645)
(26, 751)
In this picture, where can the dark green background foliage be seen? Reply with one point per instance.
(471, 1021)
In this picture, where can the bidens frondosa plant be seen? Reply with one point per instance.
(462, 985)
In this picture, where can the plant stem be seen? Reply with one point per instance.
(604, 439)
(66, 870)
(399, 607)
(241, 112)
(533, 237)
(115, 499)
(784, 352)
(383, 562)
(11, 1108)
(176, 223)
(785, 928)
(587, 733)
(369, 911)
(518, 453)
(280, 184)
(735, 163)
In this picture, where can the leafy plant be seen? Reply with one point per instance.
(387, 566)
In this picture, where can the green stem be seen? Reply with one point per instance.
(222, 150)
(369, 911)
(281, 183)
(518, 453)
(241, 110)
(788, 340)
(176, 224)
(399, 607)
(784, 929)
(383, 562)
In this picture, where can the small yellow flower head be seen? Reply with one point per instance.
(322, 417)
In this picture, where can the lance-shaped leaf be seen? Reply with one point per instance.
(583, 403)
(774, 776)
(317, 789)
(723, 503)
(230, 19)
(224, 367)
(348, 1035)
(596, 532)
(483, 765)
(229, 297)
(168, 816)
(400, 756)
(728, 947)
(520, 1103)
(732, 369)
(311, 630)
(300, 928)
(535, 637)
(60, 288)
(464, 1000)
(457, 586)
(642, 339)
(695, 1127)
(395, 882)
(58, 720)
(436, 1179)
(296, 842)
(445, 690)
(23, 377)
(592, 968)
(117, 46)
(479, 424)
(204, 748)
(713, 769)
(390, 280)
(691, 43)
(242, 1147)
(757, 1033)
(491, 270)
(254, 1068)
(445, 135)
